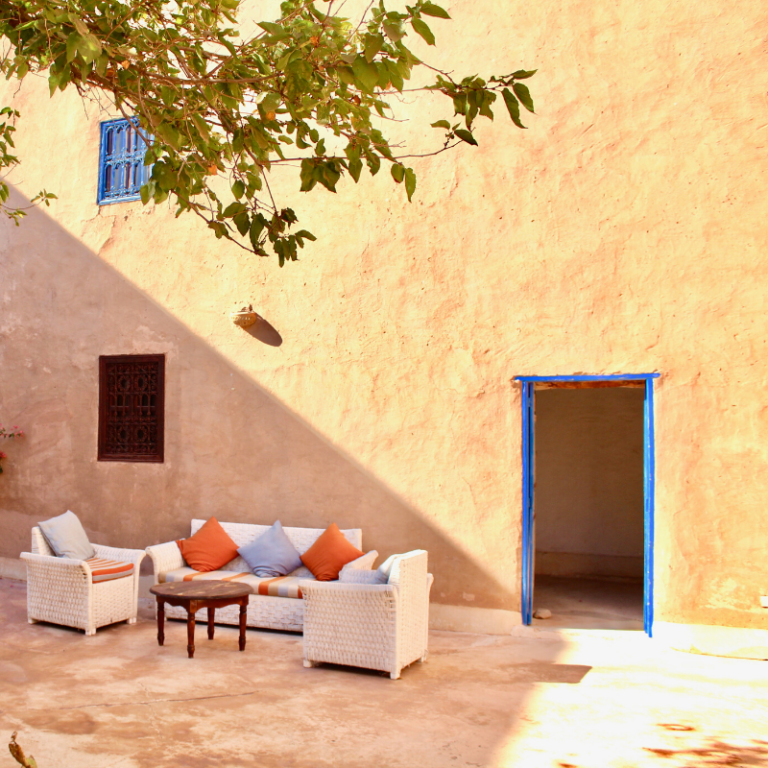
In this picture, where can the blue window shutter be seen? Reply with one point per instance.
(121, 162)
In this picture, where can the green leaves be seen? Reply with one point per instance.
(89, 47)
(354, 164)
(434, 10)
(254, 234)
(224, 115)
(422, 29)
(466, 136)
(308, 180)
(72, 44)
(365, 73)
(53, 82)
(522, 93)
(400, 173)
(316, 171)
(202, 127)
(276, 33)
(512, 107)
(394, 30)
(373, 44)
(410, 183)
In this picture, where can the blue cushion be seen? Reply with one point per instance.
(272, 554)
(67, 537)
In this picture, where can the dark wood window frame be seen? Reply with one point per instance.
(131, 408)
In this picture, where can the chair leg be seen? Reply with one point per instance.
(423, 658)
(395, 674)
(89, 632)
(308, 663)
(132, 620)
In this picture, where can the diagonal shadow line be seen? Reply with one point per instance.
(244, 458)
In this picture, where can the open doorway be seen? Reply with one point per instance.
(588, 493)
(588, 504)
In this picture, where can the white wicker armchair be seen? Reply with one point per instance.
(60, 589)
(376, 626)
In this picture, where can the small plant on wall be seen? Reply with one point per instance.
(9, 433)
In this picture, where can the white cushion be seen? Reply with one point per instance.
(362, 577)
(388, 567)
(363, 563)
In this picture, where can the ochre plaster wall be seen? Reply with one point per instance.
(624, 232)
(588, 497)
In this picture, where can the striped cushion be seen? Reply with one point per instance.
(282, 586)
(106, 570)
(190, 574)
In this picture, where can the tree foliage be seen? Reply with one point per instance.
(310, 91)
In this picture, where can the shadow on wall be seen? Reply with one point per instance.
(231, 448)
(265, 333)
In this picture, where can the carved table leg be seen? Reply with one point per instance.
(160, 621)
(191, 634)
(211, 615)
(243, 614)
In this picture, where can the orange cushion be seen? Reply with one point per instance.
(329, 554)
(209, 549)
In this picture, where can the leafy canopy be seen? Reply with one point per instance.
(307, 91)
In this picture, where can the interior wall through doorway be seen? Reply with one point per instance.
(588, 495)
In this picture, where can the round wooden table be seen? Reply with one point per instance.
(194, 595)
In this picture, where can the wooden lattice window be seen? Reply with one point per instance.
(131, 407)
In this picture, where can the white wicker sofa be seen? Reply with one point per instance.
(281, 608)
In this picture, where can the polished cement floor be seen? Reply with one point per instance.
(540, 698)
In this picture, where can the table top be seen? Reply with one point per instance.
(201, 590)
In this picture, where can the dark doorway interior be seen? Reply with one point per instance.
(588, 507)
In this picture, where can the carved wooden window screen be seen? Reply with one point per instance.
(131, 407)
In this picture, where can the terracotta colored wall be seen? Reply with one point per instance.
(625, 231)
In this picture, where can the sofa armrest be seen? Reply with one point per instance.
(349, 623)
(345, 595)
(59, 575)
(165, 557)
(359, 576)
(50, 561)
(134, 556)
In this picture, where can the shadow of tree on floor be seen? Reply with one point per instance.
(712, 752)
(700, 751)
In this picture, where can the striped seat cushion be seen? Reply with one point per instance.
(190, 574)
(106, 570)
(282, 586)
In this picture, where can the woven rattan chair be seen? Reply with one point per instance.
(376, 626)
(61, 590)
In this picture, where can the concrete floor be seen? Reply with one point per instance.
(541, 698)
(589, 603)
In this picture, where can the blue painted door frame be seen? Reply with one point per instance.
(649, 472)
